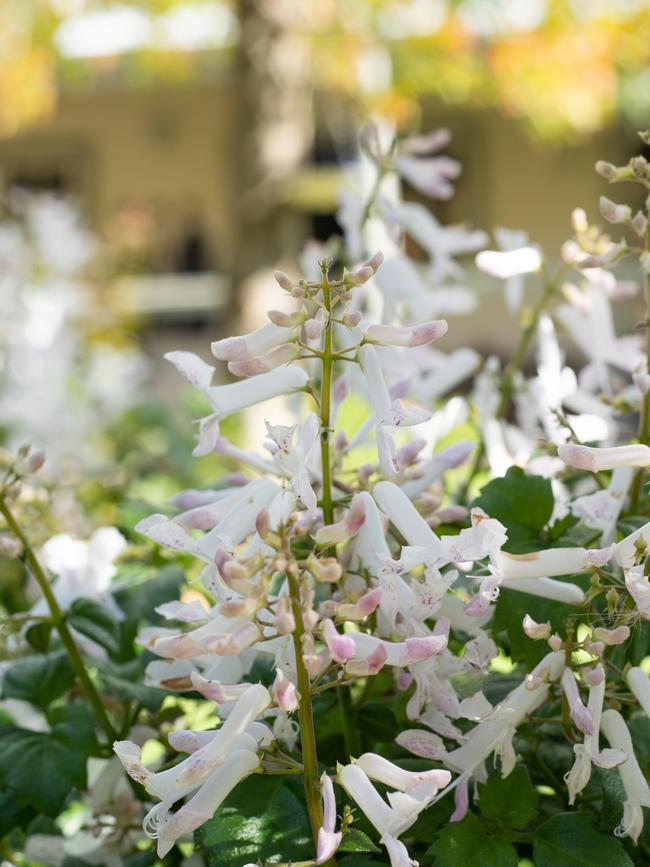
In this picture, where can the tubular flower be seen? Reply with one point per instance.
(637, 793)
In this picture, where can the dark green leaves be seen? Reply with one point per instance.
(42, 768)
(571, 840)
(468, 842)
(523, 503)
(39, 679)
(96, 622)
(264, 819)
(510, 802)
(355, 840)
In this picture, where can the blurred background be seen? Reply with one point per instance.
(200, 143)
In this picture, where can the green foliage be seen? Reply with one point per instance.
(468, 842)
(39, 679)
(510, 802)
(572, 840)
(42, 768)
(264, 819)
(523, 503)
(96, 622)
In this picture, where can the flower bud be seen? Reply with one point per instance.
(10, 546)
(555, 642)
(534, 630)
(283, 281)
(327, 570)
(613, 212)
(607, 170)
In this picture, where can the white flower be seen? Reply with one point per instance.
(329, 839)
(292, 448)
(593, 459)
(639, 683)
(589, 751)
(389, 821)
(515, 259)
(637, 793)
(233, 397)
(638, 585)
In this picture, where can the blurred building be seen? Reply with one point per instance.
(196, 185)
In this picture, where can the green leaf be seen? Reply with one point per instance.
(523, 503)
(467, 842)
(96, 622)
(571, 840)
(377, 722)
(38, 635)
(512, 802)
(42, 768)
(125, 682)
(264, 819)
(13, 814)
(39, 679)
(355, 840)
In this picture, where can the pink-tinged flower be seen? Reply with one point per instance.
(341, 647)
(639, 683)
(596, 459)
(637, 793)
(244, 367)
(332, 534)
(360, 609)
(329, 839)
(534, 630)
(398, 653)
(638, 585)
(430, 175)
(461, 799)
(589, 752)
(252, 345)
(422, 785)
(389, 821)
(206, 801)
(435, 468)
(217, 762)
(581, 715)
(284, 692)
(415, 335)
(422, 743)
(369, 665)
(611, 636)
(215, 691)
(613, 212)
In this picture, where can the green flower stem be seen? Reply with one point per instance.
(59, 623)
(350, 734)
(305, 714)
(514, 366)
(644, 424)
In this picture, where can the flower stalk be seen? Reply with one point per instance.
(59, 623)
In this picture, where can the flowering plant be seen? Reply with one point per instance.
(406, 658)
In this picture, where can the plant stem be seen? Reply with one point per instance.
(644, 423)
(325, 407)
(305, 714)
(514, 366)
(350, 737)
(59, 623)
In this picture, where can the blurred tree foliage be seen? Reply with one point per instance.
(565, 68)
